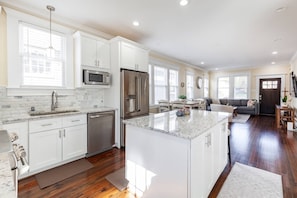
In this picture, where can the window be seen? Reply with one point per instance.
(236, 87)
(269, 84)
(42, 66)
(206, 88)
(240, 87)
(223, 87)
(173, 84)
(190, 86)
(163, 83)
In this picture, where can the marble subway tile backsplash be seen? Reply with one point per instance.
(11, 106)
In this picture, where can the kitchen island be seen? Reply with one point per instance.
(170, 156)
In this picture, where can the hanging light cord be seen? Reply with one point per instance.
(50, 8)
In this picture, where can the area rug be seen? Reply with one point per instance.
(246, 181)
(60, 173)
(118, 179)
(241, 118)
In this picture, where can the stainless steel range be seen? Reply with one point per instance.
(16, 155)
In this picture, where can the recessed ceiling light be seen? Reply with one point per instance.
(281, 9)
(202, 63)
(275, 52)
(136, 23)
(273, 63)
(183, 2)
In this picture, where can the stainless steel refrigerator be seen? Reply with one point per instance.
(134, 97)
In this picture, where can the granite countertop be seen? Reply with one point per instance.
(26, 116)
(7, 188)
(188, 126)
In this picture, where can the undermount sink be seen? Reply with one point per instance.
(40, 113)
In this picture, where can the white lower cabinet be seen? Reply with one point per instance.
(45, 149)
(74, 141)
(55, 140)
(156, 162)
(211, 147)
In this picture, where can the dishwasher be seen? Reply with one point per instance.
(101, 132)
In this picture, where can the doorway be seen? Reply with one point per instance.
(269, 95)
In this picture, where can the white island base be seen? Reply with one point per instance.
(161, 165)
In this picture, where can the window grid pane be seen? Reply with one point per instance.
(190, 86)
(240, 87)
(163, 83)
(270, 84)
(223, 87)
(173, 84)
(42, 66)
(206, 86)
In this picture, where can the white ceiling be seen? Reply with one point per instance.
(223, 34)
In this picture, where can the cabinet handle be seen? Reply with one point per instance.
(208, 140)
(75, 120)
(44, 125)
(64, 132)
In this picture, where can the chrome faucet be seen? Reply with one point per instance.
(54, 100)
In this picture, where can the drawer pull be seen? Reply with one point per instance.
(44, 125)
(75, 120)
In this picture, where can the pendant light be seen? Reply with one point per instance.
(50, 48)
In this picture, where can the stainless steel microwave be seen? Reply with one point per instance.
(92, 77)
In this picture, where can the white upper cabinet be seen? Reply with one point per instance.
(130, 54)
(91, 52)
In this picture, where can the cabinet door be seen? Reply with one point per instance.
(45, 149)
(88, 51)
(208, 161)
(74, 141)
(103, 55)
(217, 152)
(223, 146)
(197, 167)
(202, 165)
(141, 59)
(127, 56)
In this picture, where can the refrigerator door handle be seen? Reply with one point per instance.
(139, 93)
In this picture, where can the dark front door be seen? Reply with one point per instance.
(269, 95)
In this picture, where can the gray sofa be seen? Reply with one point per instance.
(241, 104)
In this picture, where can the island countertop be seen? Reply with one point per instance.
(188, 126)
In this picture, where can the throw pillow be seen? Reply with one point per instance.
(216, 101)
(251, 103)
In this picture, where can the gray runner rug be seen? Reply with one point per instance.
(246, 181)
(118, 179)
(60, 173)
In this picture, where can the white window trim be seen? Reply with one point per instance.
(231, 83)
(14, 62)
(204, 78)
(188, 73)
(154, 63)
(281, 76)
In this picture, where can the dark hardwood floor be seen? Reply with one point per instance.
(257, 143)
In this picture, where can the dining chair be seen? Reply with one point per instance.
(178, 104)
(164, 105)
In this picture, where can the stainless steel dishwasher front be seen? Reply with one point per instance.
(101, 132)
